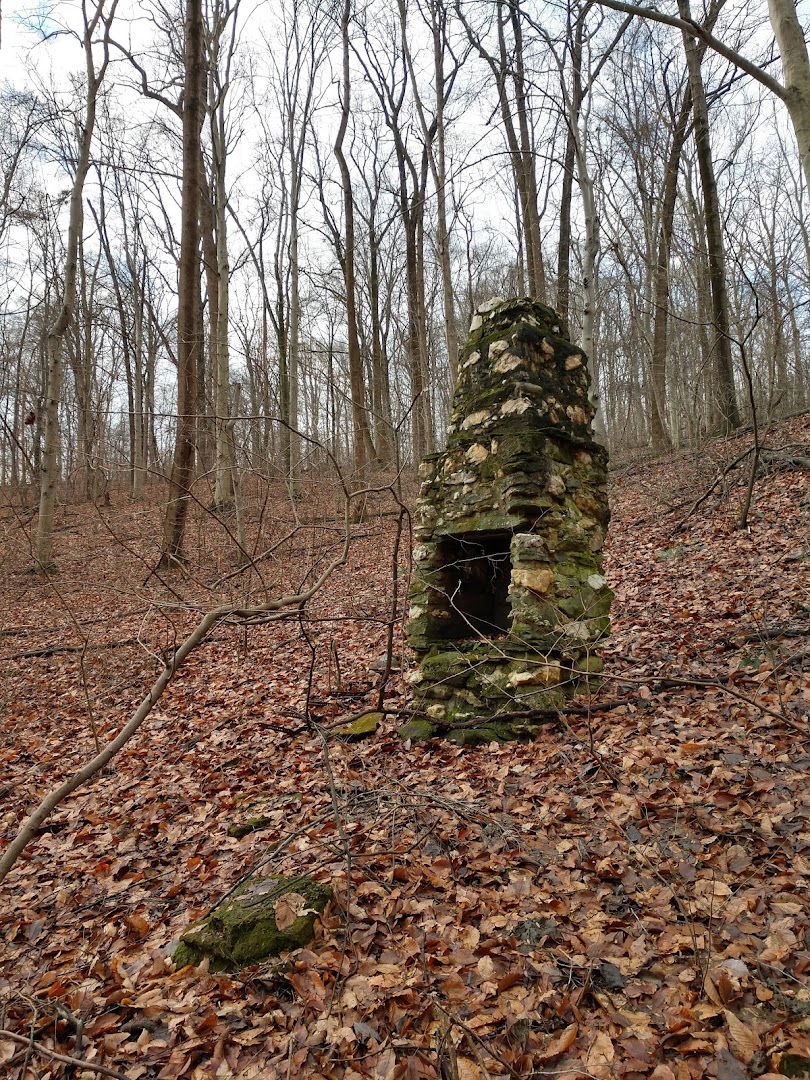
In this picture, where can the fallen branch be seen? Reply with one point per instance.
(246, 616)
(717, 684)
(558, 715)
(720, 683)
(43, 1051)
(117, 616)
(766, 633)
(765, 455)
(55, 650)
(549, 715)
(784, 460)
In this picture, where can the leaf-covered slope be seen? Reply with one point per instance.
(626, 896)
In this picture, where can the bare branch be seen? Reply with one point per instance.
(689, 26)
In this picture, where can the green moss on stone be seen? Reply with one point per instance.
(249, 825)
(417, 730)
(242, 929)
(475, 736)
(587, 664)
(360, 728)
(539, 475)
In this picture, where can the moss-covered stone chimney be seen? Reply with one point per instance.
(508, 601)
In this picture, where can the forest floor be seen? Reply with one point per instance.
(624, 896)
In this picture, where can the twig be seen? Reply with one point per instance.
(54, 650)
(717, 684)
(597, 757)
(473, 1038)
(721, 476)
(65, 1058)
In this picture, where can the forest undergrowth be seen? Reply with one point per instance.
(624, 896)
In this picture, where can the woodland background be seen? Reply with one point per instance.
(356, 180)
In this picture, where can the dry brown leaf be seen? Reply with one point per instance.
(386, 1065)
(485, 967)
(288, 908)
(601, 1051)
(559, 1043)
(662, 1072)
(110, 911)
(467, 1069)
(743, 1041)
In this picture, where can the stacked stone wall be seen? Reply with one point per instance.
(521, 473)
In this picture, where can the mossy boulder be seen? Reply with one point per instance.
(417, 730)
(250, 825)
(362, 727)
(243, 929)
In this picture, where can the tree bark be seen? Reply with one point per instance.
(726, 414)
(56, 332)
(796, 71)
(362, 444)
(659, 436)
(182, 473)
(224, 493)
(433, 135)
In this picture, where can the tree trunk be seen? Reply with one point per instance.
(518, 141)
(362, 444)
(726, 414)
(56, 332)
(294, 362)
(796, 69)
(182, 473)
(207, 363)
(531, 215)
(564, 244)
(659, 435)
(224, 493)
(433, 135)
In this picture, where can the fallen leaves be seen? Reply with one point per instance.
(546, 918)
(290, 907)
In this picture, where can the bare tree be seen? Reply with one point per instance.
(296, 97)
(508, 71)
(726, 413)
(577, 114)
(435, 15)
(364, 451)
(219, 64)
(188, 336)
(794, 91)
(94, 19)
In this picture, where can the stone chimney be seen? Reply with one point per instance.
(508, 601)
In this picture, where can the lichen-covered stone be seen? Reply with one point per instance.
(242, 930)
(250, 825)
(417, 730)
(508, 600)
(362, 727)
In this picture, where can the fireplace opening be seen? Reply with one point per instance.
(476, 571)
